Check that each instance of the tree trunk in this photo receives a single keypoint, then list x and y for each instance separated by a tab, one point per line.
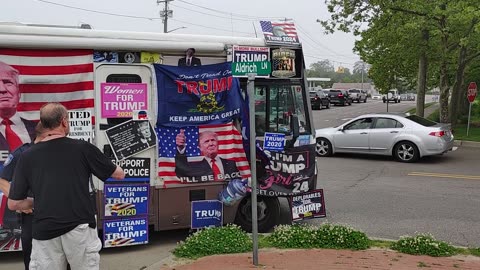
422	75
457	91
444	92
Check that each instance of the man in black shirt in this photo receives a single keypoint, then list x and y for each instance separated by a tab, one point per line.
57	170
26	216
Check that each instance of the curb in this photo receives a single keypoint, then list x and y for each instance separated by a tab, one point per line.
467	144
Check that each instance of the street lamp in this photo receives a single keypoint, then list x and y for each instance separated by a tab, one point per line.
176	29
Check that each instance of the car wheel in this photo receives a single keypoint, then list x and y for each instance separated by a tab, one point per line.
406	152
384	101
268	212
323	148
320	106
328	105
365	100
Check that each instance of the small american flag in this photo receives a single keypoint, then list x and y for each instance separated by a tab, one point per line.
230	146
288	28
64	76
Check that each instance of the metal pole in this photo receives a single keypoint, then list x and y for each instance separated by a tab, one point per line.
165	18
469	114
253	164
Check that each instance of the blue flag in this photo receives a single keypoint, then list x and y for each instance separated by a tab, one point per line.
197	95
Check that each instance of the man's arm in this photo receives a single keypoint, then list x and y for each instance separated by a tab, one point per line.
4	186
119	173
20	205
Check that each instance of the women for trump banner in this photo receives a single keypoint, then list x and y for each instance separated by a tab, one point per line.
197	95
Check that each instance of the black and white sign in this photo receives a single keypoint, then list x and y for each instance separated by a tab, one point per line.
80	125
130	138
136	170
308	205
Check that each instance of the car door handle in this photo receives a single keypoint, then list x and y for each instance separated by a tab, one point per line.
393	131
364	133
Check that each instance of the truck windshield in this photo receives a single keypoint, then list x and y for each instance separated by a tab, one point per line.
274	106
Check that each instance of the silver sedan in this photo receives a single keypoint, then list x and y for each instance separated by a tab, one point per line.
405	137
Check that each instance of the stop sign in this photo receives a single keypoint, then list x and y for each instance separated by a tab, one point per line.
472	92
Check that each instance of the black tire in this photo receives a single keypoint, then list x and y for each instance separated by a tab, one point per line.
320	105
323	147
384	101
406	151
365	100
268	212
328	105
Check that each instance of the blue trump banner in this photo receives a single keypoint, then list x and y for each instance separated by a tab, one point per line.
197	96
125	232
208	213
126	200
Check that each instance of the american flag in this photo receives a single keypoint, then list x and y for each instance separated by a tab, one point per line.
288	28
229	143
64	76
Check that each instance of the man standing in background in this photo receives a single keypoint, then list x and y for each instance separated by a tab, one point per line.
57	170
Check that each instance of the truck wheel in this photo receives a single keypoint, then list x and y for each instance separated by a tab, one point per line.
268	212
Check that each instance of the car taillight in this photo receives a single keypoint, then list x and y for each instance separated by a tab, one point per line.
340	95
437	133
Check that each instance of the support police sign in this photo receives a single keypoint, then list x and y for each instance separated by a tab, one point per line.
251	60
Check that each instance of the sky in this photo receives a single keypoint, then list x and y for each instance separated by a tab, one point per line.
209	17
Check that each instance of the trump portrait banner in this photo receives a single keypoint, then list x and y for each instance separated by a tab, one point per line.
33	78
191	167
201	95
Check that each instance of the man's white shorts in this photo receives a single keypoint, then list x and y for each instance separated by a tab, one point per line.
79	247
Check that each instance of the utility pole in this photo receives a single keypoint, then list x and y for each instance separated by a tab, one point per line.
165	14
363	70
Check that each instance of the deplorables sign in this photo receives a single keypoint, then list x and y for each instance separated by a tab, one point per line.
126	200
289	172
125	232
136	169
120	99
199	95
308	205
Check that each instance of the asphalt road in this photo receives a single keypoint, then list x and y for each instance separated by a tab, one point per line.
387	199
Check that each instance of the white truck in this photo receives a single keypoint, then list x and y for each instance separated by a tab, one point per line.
75	67
392	96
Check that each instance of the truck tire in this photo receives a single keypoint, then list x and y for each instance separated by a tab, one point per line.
268	212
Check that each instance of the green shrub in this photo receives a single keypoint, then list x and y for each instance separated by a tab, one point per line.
424	244
325	236
210	241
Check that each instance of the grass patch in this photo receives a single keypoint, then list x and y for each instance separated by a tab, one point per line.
414	110
460	133
381	243
210	241
474	251
326	236
424	244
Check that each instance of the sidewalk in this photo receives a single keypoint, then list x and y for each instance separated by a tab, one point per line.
329	259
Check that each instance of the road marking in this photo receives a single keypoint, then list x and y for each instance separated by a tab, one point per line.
444	175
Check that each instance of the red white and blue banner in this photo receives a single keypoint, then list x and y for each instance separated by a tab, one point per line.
280	32
197	96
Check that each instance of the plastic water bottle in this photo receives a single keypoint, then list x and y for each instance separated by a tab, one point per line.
235	191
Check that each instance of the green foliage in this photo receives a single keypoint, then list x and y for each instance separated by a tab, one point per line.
474	251
424	244
325	236
219	240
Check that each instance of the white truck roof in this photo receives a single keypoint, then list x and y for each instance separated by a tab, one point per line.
38	37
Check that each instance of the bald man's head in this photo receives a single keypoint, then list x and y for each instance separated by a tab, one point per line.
53	115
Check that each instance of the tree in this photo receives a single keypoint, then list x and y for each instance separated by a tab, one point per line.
440	42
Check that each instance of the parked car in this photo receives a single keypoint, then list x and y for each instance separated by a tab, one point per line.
319	99
340	97
358	95
392	96
377	97
405	137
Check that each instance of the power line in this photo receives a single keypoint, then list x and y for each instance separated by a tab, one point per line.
209	27
99	12
213	15
228	13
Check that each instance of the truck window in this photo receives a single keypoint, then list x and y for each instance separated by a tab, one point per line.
274	106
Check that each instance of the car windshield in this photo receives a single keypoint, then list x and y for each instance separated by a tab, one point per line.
354	91
335	91
420	120
313	93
